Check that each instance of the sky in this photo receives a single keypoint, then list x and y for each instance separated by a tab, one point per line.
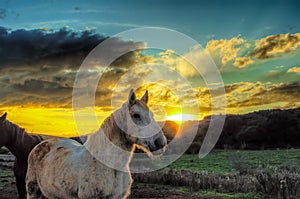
253	44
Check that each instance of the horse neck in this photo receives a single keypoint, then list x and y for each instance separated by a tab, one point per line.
112	131
109	138
11	134
16	143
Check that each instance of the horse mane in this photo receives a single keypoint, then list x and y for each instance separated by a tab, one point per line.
21	142
14	128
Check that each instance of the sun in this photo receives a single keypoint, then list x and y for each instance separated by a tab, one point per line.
180	118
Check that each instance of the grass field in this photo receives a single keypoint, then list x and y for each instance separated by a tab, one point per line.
231	161
186	192
233	174
217	162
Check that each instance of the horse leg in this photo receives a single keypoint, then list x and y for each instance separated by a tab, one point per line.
21	186
32	186
20	173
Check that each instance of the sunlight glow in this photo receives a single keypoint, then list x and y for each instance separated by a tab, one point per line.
49	121
179	118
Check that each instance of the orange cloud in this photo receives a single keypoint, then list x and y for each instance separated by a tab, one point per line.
180	63
241	97
226	50
242	62
294	70
275	45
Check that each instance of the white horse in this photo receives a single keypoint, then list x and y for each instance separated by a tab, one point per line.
62	168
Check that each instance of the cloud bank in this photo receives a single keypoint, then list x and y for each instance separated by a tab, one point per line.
38	67
242	53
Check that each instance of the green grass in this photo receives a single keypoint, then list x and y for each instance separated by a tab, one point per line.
232	161
228	195
6	172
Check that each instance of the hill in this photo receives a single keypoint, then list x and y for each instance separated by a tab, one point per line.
266	129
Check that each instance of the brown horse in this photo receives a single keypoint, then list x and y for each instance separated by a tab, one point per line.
19	143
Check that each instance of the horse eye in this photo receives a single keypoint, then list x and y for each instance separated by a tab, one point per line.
136	116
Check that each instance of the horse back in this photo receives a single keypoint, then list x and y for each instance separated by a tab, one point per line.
55	151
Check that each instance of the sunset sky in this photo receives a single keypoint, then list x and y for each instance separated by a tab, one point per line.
254	44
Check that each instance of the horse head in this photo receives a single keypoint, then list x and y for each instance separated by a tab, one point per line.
142	129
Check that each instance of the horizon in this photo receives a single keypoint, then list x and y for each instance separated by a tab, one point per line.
178	123
44	43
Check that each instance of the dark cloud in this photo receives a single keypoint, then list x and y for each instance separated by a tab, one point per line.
39	67
267	94
25	48
38	48
292	90
36	92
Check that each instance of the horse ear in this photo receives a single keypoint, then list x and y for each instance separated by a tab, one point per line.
131	97
145	97
3	117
